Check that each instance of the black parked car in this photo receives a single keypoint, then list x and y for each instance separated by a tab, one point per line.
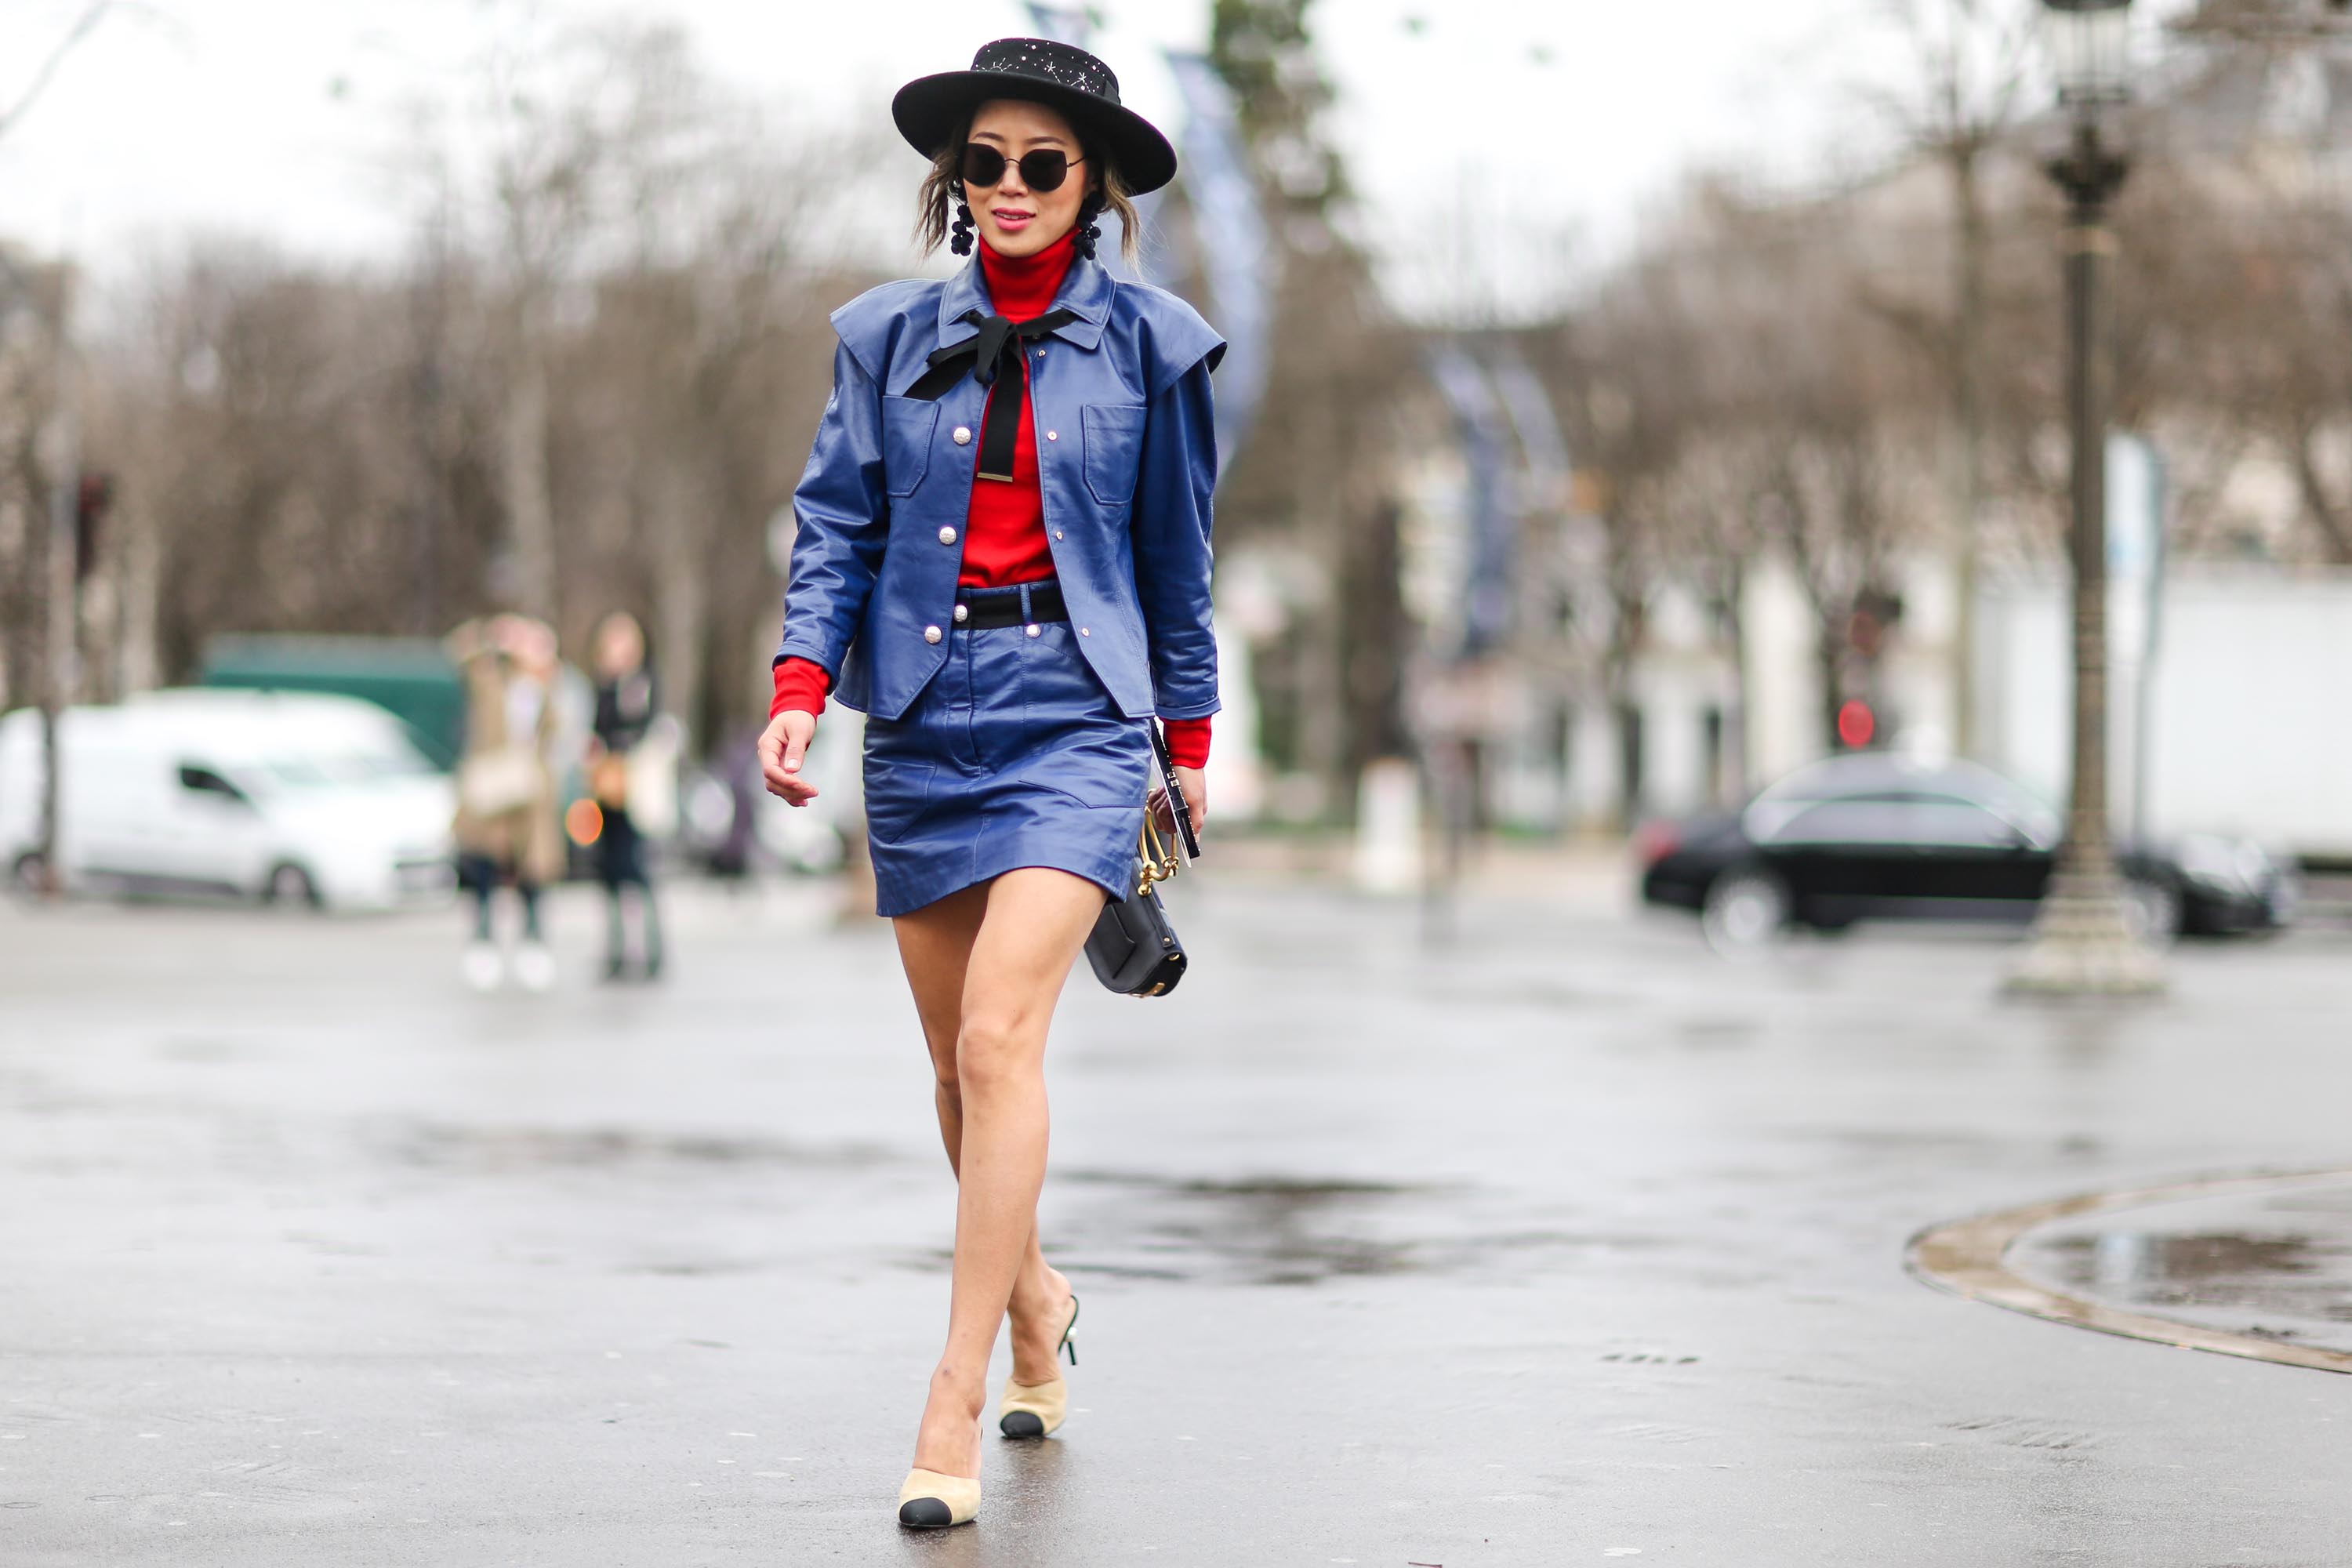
1871	834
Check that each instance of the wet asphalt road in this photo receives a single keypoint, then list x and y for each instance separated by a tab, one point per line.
1564	1244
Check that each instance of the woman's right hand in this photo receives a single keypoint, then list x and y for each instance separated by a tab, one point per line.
783	744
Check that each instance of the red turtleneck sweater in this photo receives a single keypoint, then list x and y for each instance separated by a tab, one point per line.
1004	532
1005	535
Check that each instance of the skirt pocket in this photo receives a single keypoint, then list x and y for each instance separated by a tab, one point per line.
896	794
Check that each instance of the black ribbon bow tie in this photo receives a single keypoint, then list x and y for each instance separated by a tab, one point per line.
998	351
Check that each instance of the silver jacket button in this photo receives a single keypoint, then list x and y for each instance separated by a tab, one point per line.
946	536
1034	630
964	435
930	634
963	614
1052	434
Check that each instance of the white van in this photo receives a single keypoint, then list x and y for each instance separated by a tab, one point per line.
284	796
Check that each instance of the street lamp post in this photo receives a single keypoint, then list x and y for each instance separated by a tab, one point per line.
2082	943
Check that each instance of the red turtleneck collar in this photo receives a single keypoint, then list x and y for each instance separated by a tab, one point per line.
1022	287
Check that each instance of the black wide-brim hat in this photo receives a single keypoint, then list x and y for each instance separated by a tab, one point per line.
930	109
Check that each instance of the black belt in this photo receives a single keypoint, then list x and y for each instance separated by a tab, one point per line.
1002	609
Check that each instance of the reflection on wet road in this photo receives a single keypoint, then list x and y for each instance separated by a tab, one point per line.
2256	1266
2274	1263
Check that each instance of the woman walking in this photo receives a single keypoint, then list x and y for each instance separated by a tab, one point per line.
628	703
507	828
1003	561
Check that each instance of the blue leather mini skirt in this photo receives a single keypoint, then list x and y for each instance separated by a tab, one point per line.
1013	754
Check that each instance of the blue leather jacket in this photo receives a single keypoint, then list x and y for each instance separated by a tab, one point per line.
1126	455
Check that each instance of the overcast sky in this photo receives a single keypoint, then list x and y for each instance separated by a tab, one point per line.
1462	118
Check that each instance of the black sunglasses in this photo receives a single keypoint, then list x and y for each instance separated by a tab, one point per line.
1044	170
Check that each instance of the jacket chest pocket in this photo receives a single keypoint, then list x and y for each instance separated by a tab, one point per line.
908	426
1112	434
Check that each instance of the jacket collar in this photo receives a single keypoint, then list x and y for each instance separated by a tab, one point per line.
1085	292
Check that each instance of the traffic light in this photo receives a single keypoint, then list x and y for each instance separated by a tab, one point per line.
1856	724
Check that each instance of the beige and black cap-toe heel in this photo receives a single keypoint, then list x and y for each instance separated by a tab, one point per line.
931	1501
1036	1409
1032	1409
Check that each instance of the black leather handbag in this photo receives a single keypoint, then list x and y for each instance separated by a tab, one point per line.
1133	949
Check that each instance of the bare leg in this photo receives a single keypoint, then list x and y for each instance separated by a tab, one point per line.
935	945
993	1118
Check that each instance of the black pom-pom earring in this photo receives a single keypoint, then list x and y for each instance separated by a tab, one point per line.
1089	231
959	237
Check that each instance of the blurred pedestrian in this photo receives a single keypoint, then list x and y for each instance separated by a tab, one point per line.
1005	563
507	827
626	700
735	772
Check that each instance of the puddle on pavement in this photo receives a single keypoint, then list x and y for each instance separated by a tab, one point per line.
2275	1265
2296	1275
2257	1265
1286	1231
1519	991
1718	1034
208	1050
1266	1231
525	1149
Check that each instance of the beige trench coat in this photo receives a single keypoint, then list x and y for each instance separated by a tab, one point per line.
528	838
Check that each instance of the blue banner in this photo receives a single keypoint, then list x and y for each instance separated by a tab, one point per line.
1236	262
1486	586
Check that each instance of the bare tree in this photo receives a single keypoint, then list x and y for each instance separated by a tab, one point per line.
1732	391
303	450
46	70
545	105
33	300
1316	481
1966	63
2297	291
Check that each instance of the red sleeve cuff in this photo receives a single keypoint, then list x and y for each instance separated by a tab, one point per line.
1188	741
801	683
